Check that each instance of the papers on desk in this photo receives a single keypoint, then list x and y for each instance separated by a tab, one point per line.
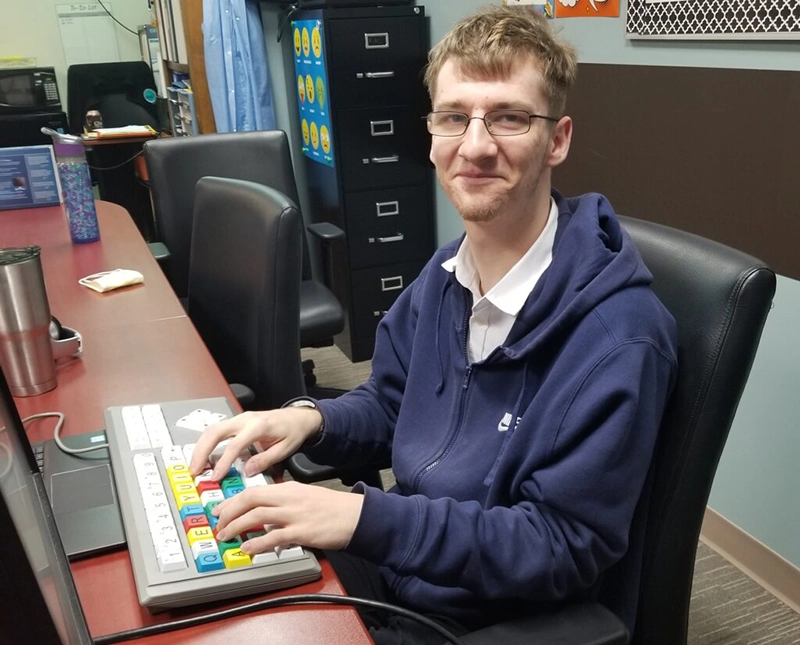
126	131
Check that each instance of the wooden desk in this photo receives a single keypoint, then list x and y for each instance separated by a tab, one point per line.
64	263
139	346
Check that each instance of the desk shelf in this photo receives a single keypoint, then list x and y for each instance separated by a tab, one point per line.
183	116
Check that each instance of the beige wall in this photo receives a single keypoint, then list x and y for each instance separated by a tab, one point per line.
31	28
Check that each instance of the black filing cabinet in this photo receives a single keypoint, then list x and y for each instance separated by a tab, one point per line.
361	100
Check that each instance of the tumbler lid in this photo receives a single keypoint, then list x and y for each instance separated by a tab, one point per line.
65	144
16	254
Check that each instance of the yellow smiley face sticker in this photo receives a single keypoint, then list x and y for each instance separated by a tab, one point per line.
296	41
316	42
325	139
310	88
321	92
314	136
306	135
306	43
301	89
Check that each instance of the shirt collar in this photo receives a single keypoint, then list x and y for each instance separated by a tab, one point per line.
510	294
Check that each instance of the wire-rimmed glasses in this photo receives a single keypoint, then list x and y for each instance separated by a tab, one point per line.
499	123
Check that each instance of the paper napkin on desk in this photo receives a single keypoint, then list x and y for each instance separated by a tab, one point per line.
109	280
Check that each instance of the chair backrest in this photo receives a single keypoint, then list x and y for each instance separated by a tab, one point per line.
174	165
244	285
118	90
720	299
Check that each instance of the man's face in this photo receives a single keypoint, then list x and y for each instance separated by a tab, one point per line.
485	176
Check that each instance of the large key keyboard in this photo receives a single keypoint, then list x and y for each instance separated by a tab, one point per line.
176	558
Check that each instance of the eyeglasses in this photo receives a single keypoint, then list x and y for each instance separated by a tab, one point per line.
499	123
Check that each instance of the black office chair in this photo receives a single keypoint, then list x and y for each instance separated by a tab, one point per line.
175	165
720	298
118	90
244	295
125	94
244	285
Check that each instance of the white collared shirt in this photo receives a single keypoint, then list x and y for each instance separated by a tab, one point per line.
494	313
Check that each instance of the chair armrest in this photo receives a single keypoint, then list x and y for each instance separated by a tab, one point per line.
325	231
244	395
327	234
160	251
302	469
577	624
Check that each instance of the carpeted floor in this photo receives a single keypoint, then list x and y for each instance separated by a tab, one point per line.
727	607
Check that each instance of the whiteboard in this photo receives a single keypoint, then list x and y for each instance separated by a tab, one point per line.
87	33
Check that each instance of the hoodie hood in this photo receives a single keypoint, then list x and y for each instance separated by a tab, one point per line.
593	258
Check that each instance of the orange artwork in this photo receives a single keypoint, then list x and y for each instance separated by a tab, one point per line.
587	8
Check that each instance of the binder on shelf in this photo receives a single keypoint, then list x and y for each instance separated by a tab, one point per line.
170	29
163	30
180	35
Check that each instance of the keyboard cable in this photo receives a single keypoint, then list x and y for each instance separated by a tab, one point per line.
270	603
57	434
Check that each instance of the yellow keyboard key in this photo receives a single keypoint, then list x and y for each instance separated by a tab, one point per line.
236	558
184	499
178	469
184	487
199	533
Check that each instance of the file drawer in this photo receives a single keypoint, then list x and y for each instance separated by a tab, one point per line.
376	60
388	226
375	290
381	146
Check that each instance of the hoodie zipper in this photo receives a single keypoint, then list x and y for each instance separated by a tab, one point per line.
462	407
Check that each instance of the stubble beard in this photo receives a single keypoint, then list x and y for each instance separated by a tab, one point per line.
484	209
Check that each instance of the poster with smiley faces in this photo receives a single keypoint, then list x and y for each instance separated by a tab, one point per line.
312	92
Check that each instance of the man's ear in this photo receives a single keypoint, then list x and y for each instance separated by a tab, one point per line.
560	139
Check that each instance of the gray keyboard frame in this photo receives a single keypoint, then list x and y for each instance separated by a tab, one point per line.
157	590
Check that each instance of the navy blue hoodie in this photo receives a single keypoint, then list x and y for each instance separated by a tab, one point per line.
517	476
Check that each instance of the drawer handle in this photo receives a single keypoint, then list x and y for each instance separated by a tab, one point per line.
385	209
381	128
387	240
376	40
380	313
392	159
388	74
392	284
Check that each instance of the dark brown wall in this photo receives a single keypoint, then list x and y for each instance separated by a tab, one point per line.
712	151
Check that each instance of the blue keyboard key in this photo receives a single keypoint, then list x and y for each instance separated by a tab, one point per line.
209	562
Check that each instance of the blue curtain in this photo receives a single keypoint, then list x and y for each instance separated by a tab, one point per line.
236	66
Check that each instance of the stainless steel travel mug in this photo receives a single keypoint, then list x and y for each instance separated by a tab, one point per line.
26	353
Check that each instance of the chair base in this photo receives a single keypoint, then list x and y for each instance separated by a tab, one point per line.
308	373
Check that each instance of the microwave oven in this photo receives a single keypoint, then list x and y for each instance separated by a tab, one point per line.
28	90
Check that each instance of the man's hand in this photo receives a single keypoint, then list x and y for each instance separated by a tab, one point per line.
297	513
280	434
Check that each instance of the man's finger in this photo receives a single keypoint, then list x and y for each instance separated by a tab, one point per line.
209	439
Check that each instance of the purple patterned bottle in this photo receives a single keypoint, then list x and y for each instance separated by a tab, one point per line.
76	187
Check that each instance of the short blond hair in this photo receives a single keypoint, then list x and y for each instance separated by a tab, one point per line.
487	43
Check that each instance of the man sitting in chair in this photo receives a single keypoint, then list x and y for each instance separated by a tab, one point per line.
518	383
